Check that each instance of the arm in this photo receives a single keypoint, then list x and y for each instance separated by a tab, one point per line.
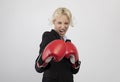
72	55
55	51
40	65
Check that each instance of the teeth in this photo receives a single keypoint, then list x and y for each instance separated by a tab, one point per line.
61	30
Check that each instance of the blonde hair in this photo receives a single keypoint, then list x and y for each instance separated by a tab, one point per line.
63	11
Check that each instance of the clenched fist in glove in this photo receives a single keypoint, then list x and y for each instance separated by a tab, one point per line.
55	50
72	54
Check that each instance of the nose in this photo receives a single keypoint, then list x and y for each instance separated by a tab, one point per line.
63	26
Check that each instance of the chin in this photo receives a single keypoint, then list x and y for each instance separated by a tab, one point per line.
62	35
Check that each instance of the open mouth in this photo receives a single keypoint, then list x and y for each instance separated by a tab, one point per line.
61	31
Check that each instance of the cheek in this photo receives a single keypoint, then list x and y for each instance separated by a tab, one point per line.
67	26
56	26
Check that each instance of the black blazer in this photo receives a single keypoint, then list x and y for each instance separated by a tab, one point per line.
61	71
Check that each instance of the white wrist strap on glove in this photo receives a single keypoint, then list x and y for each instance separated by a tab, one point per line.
72	59
45	63
48	59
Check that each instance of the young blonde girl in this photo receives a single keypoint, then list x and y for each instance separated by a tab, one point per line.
64	68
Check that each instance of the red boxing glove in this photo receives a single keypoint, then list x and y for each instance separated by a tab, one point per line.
71	53
55	49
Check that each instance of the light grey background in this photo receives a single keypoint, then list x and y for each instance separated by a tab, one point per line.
96	34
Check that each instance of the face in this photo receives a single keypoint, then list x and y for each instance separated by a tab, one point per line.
61	25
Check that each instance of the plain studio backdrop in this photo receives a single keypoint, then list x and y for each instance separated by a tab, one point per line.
96	34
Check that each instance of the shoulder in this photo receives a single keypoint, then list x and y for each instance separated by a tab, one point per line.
51	34
46	34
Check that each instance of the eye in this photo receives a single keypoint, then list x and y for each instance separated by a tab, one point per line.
66	23
59	22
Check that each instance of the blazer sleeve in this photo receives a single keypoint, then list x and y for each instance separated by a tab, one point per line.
46	38
76	69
